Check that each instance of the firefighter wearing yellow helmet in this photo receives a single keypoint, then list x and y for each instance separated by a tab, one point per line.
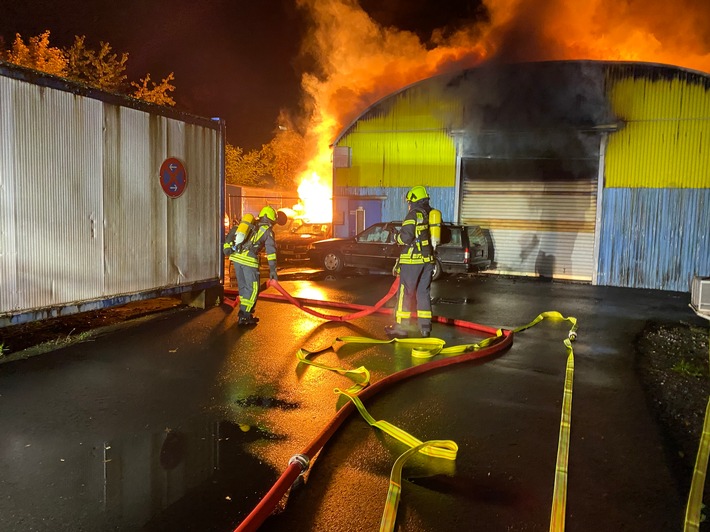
246	262
416	266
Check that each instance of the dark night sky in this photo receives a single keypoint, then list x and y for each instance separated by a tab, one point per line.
235	59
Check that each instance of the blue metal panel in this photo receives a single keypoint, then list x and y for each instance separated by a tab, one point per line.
372	213
394	207
654	238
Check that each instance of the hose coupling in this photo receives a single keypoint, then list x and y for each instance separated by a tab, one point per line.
572	336
302	460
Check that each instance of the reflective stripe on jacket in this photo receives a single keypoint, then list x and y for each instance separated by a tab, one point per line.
416	238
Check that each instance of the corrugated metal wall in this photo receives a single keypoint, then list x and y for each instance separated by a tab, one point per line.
541	220
83	213
394	207
656	119
654	237
655	222
664	143
401	144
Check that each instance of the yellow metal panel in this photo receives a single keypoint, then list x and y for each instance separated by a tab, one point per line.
399	159
665	143
408	144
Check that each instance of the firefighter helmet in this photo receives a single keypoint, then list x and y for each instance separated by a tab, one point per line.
417	193
268	212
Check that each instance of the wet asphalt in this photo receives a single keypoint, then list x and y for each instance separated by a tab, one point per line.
183	421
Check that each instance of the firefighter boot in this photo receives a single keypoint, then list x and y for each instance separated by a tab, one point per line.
247	318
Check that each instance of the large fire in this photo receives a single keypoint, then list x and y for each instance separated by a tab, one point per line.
361	61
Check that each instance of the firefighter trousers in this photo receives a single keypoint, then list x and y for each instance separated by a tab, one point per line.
415	289
248	283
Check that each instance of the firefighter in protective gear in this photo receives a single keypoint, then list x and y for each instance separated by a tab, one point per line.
416	266
246	263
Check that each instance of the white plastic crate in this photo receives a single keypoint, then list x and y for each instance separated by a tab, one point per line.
700	293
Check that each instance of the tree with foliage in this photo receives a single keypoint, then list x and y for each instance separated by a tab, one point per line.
248	169
98	68
38	55
158	94
285	157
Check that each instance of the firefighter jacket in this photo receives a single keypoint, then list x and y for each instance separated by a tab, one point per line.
415	236
262	237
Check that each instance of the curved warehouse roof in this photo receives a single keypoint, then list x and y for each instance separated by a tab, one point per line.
519	96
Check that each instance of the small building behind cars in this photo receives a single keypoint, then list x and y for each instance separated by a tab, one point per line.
592	171
240	200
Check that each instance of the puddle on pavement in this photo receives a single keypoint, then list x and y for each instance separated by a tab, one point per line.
214	484
197	476
226	482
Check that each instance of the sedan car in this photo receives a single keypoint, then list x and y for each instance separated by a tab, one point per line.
294	238
463	249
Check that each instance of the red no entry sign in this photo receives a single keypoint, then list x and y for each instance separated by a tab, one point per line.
173	177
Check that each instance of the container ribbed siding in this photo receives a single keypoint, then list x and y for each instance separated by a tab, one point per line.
562	163
85	222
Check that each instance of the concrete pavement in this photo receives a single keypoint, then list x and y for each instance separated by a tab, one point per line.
183	422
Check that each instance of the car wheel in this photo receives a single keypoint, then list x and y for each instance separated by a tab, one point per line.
437	273
333	261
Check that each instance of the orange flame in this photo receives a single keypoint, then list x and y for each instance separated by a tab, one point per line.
361	62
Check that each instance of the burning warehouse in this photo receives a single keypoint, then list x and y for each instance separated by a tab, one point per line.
593	171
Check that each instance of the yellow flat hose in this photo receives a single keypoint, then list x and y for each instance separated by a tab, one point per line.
360	376
559	491
424	348
389	515
445	449
428	348
694	508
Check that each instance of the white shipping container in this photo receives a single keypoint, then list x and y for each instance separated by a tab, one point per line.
103	199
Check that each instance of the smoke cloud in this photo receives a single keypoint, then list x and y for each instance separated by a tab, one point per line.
357	61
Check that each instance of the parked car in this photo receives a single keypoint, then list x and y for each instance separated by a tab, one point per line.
463	249
294	238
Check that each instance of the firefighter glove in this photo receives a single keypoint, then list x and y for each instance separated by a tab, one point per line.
273	275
